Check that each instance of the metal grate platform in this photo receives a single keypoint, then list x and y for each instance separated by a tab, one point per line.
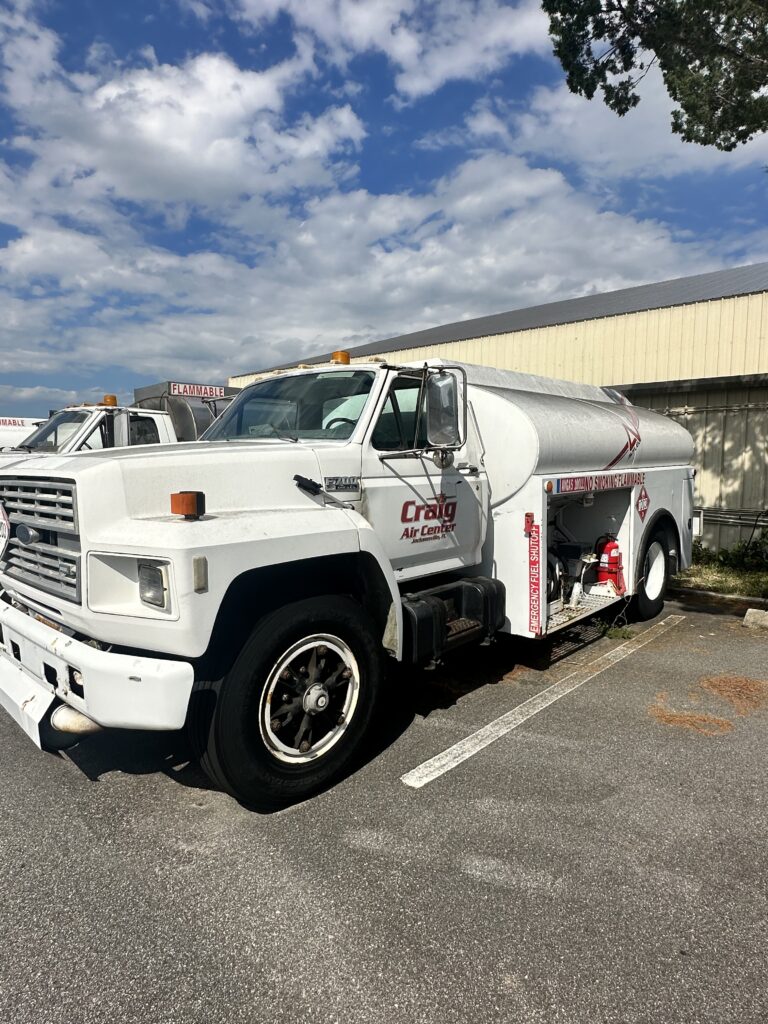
588	605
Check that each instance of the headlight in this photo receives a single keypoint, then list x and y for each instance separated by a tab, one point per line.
152	588
138	585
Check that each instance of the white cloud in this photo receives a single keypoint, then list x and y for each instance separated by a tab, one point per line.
203	132
585	135
44	398
493	235
561	126
428	44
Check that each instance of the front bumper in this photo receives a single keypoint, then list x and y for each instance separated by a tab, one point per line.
38	664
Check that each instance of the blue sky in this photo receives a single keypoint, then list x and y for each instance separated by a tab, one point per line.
195	188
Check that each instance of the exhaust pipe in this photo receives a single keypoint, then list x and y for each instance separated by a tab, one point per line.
75	723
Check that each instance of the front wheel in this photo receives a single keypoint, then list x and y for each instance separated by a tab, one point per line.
294	710
653	567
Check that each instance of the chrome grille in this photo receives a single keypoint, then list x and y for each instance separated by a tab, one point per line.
50	558
44	504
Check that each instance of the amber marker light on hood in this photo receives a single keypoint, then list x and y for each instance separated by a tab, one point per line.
190	504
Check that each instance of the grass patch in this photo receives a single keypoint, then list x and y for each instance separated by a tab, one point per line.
724	579
619	633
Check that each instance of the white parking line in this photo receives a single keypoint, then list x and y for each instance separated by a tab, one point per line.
466	748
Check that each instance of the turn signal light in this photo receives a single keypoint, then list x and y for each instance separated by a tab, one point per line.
190	504
109	400
340	357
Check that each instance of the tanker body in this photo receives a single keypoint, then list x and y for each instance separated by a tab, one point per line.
604	492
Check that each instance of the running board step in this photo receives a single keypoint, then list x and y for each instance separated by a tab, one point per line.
444	617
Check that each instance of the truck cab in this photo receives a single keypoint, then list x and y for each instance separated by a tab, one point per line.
86	428
162	413
253	584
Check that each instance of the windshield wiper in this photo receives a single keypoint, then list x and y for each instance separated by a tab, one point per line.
284	437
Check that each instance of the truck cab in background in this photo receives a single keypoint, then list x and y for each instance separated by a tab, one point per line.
161	414
253	584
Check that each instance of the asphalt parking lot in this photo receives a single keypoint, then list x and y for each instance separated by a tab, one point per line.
604	860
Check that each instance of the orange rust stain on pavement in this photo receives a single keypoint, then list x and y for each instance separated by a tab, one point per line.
707	725
743	694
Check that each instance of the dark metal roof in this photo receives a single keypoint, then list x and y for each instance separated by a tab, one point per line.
681	291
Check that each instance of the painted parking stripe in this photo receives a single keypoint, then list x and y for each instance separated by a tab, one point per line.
466	748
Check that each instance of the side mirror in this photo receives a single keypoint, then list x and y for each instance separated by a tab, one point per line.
443	428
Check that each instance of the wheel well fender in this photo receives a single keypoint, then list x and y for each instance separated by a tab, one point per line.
665	521
256	592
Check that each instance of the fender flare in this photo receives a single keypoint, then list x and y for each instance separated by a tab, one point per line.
663	515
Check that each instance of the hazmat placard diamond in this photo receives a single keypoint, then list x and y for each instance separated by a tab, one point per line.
643	503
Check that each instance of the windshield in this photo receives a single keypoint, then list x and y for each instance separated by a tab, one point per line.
56	431
310	406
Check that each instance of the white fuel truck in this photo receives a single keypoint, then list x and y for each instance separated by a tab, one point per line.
161	414
253	584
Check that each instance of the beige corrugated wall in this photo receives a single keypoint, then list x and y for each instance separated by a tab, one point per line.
730	432
722	337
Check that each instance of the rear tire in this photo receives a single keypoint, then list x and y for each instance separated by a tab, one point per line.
654	569
294	710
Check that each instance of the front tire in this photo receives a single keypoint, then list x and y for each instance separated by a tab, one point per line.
654	569
293	712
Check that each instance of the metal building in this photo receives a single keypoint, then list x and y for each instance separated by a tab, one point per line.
695	348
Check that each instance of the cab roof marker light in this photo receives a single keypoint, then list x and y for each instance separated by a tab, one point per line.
190	504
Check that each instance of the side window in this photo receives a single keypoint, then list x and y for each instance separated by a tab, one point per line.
142	430
96	439
395	429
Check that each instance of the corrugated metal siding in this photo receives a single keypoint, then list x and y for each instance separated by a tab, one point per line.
730	431
683	291
728	337
724	337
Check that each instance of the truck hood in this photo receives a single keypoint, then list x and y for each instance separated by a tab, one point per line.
8	459
137	483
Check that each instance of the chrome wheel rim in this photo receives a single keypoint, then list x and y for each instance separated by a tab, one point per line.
654	571
309	699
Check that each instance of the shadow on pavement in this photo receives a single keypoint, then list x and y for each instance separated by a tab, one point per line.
139	753
412	692
713	604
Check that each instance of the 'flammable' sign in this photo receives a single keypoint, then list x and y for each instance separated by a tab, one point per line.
598	482
196	390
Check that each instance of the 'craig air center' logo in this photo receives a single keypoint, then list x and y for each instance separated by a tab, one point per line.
435	518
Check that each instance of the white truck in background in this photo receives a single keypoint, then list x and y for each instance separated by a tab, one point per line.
253	584
161	414
15	428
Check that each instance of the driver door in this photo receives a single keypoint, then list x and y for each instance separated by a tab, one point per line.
428	519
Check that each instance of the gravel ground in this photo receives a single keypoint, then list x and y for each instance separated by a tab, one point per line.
606	861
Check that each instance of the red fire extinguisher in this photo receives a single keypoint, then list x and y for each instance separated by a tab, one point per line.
610	568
